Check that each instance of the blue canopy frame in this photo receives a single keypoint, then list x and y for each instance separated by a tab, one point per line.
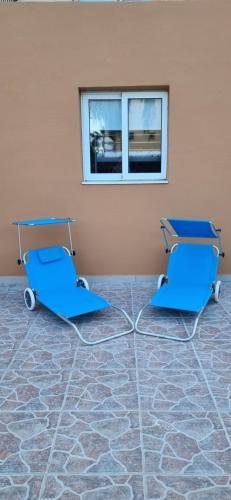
52	277
43	222
192	270
189	228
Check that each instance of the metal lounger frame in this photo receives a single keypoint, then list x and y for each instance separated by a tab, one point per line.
166	232
168	337
100	341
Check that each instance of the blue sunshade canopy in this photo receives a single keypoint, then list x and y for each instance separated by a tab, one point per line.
187	228
43	222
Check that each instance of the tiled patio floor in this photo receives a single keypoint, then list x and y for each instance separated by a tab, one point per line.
134	418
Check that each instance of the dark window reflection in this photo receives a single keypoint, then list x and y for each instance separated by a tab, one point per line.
144	135
106	156
105	136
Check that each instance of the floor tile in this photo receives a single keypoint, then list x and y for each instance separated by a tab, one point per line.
13	330
7	353
156	354
118	294
15	319
226	296
102	390
112	355
50	328
188	443
213	312
174	390
91	487
141	294
24	390
97	442
44	354
190	488
180	392
25	441
213	353
214	323
23	487
226	420
220	385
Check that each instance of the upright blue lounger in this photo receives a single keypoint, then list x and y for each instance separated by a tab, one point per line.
55	284
192	271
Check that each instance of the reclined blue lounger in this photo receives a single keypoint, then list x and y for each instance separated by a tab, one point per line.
55	284
192	271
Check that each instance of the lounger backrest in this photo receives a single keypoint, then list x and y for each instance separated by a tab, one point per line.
193	264
50	268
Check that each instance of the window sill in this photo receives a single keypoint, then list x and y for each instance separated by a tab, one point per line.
161	181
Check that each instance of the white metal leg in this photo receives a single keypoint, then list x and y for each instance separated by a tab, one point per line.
169	337
88	342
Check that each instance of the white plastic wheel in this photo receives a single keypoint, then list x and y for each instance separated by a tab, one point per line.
217	290
161	280
83	283
29	299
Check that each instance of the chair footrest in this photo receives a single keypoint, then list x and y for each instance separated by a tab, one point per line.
72	302
191	299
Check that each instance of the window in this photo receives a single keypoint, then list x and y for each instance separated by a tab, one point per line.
124	136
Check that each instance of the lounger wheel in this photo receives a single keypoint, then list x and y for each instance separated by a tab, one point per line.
217	290
161	280
83	283
29	298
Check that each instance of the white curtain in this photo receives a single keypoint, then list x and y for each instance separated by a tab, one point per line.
144	114
105	115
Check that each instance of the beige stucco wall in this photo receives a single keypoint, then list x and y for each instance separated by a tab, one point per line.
47	53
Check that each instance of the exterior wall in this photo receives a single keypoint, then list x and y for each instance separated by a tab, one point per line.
49	52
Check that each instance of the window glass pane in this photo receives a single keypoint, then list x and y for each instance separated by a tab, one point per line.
144	126
105	136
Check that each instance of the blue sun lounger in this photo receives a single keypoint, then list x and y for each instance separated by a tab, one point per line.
192	271
55	284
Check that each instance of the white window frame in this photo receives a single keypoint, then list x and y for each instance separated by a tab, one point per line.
125	177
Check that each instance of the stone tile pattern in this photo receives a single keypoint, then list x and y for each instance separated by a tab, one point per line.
134	418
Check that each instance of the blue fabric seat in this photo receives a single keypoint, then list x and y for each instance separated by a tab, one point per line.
72	302
192	268
191	275
184	298
51	273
